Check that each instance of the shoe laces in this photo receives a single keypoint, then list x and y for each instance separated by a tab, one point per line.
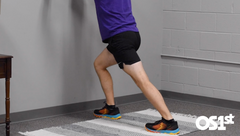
158	122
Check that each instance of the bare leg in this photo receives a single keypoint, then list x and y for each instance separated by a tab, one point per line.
138	74
102	62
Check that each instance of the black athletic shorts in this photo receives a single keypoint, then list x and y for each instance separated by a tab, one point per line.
124	47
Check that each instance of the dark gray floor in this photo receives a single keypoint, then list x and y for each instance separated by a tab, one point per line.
174	106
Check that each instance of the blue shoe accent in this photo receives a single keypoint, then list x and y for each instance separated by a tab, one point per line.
176	131
117	116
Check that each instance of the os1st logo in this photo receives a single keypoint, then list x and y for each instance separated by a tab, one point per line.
214	122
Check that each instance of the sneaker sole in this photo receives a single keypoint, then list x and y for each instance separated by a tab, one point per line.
170	132
115	117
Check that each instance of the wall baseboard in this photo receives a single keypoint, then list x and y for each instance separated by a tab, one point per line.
83	106
201	99
70	108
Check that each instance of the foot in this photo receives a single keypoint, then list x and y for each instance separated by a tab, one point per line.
107	111
163	126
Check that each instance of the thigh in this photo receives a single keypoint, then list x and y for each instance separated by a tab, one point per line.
105	59
136	71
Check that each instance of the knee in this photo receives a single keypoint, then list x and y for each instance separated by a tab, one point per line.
97	65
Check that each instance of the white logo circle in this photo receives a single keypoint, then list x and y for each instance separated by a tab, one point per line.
199	126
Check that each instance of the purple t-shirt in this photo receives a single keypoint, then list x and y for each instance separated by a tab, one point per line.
114	17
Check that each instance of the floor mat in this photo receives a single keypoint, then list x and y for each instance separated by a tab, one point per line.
131	124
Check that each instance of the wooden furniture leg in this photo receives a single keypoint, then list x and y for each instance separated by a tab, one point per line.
6	72
7	102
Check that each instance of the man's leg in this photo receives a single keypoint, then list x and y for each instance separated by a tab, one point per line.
138	74
102	62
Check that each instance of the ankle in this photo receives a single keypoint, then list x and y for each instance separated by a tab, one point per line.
110	106
110	103
168	120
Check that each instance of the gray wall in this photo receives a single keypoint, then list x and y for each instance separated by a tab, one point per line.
201	48
54	44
